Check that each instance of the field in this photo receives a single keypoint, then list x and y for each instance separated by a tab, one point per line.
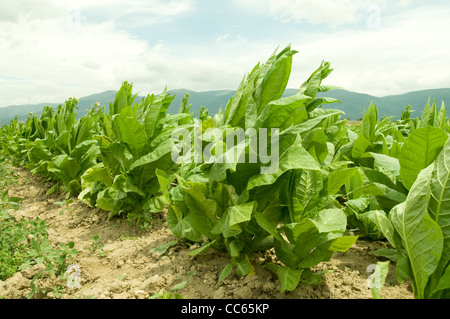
129	270
273	197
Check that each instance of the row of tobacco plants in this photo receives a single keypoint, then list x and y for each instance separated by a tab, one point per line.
383	179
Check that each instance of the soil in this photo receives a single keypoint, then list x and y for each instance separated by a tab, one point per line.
131	271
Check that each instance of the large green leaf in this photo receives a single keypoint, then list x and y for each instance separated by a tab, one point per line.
130	131
151	157
276	79
369	122
289	278
240	213
237	106
338	178
420	150
202	210
313	85
303	194
385	225
386	164
420	235
123	99
156	111
360	146
429	115
98	174
283	112
182	225
439	204
444	282
295	157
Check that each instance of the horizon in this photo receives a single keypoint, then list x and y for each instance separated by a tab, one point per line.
375	47
184	89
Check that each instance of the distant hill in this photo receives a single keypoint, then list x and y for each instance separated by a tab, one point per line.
352	103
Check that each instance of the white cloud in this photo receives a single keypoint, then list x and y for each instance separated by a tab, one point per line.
47	57
52	55
408	52
140	12
30	9
50	59
136	12
222	37
334	13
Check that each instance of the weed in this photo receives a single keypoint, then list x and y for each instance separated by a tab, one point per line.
172	293
96	246
164	248
15	239
55	264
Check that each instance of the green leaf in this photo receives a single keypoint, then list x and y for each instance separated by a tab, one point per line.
330	220
439	207
313	85
368	124
386	227
243	267
295	157
162	149
130	131
269	227
304	198
289	278
441	117
386	164
225	272
303	236
163	180
360	146
439	204
201	249
164	247
202	210
276	79
420	235
312	123
444	282
387	253
155	112
342	244
182	225
420	150
240	213
121	99
283	112
98	174
429	115
338	178
315	142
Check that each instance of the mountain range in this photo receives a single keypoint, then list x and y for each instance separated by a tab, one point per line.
352	103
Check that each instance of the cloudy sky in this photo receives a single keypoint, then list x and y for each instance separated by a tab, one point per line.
51	50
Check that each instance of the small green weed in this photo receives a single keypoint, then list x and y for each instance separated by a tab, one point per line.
15	239
96	246
55	262
172	293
